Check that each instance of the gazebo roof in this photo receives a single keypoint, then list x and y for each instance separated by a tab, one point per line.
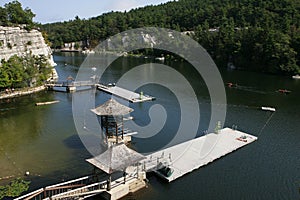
112	107
116	158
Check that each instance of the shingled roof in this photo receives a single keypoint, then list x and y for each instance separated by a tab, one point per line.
116	158
112	107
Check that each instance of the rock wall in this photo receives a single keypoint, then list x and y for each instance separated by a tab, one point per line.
18	41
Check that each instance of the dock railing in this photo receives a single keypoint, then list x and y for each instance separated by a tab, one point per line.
52	190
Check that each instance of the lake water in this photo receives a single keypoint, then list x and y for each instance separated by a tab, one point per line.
43	140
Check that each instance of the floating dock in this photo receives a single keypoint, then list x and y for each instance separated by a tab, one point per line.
128	95
188	156
46	103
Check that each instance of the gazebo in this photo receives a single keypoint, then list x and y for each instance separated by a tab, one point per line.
111	117
116	158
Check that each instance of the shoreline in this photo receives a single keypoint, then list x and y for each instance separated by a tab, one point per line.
21	92
28	90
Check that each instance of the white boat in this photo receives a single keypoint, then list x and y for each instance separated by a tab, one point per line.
268	109
296	76
160	58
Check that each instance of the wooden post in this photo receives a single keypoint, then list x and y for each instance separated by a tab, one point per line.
109	183
124	174
116	132
45	194
106	126
122	128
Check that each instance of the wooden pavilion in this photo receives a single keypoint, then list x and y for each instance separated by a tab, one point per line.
111	117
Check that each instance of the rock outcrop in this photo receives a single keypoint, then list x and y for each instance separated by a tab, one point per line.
18	41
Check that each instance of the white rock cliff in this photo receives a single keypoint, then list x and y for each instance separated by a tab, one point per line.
18	41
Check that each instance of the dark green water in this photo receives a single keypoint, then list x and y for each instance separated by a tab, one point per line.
43	140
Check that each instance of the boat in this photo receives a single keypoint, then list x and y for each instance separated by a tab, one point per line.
46	103
268	108
166	171
231	85
284	91
160	58
296	76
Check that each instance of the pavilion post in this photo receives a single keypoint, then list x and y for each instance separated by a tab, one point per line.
122	129
116	132
124	175
109	183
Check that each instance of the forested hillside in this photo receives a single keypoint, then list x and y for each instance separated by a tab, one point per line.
259	35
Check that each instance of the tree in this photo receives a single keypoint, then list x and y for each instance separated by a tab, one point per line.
256	34
14	189
3	17
20	72
13	13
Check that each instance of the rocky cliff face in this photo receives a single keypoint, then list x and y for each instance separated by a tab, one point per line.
18	41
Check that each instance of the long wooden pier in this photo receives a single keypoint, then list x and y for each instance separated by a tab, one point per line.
69	85
128	95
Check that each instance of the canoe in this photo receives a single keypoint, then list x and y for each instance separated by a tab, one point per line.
46	103
268	109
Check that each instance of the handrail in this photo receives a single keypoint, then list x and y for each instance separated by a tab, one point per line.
78	189
38	191
67	182
30	194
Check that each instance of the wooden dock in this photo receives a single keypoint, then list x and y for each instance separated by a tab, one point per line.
46	103
128	95
83	188
188	156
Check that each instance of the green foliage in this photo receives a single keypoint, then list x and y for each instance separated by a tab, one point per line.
45	36
76	45
253	34
18	72
14	189
14	14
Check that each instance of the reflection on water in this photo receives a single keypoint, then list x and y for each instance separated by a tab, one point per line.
43	140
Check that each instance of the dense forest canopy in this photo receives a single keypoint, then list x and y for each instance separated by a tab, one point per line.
259	35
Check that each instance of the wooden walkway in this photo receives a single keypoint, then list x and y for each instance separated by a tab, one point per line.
84	188
77	187
128	95
70	84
